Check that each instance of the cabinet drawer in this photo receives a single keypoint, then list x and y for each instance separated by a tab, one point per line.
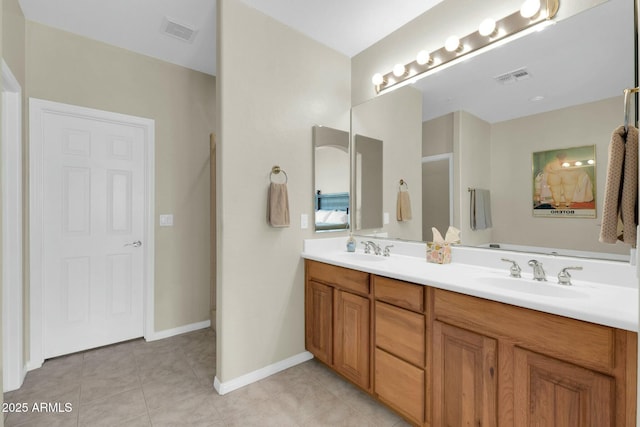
402	294
353	280
401	385
400	332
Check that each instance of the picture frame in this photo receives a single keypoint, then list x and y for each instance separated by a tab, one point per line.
564	183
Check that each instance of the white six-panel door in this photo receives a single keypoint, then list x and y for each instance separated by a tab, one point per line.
93	231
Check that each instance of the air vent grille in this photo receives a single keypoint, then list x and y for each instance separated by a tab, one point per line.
513	76
178	30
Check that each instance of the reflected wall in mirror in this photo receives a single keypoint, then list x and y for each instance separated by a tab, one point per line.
331	178
567	96
368	183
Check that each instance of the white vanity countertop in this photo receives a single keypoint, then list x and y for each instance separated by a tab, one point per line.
604	292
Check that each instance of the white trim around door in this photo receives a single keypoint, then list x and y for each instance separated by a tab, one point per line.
37	110
12	280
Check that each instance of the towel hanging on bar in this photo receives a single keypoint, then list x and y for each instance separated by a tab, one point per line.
403	204
619	217
480	209
278	201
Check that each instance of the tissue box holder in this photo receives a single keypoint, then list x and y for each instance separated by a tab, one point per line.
438	253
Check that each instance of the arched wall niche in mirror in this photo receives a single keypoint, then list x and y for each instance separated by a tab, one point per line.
331	178
555	89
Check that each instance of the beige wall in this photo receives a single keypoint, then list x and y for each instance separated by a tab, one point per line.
13	29
396	119
70	69
429	31
274	84
513	143
437	136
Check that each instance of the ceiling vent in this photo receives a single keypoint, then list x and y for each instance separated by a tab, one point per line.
513	76
178	30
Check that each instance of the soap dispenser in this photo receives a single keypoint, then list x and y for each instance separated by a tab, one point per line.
351	243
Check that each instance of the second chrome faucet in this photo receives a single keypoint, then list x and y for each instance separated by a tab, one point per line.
538	271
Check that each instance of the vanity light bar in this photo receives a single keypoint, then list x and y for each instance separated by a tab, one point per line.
504	30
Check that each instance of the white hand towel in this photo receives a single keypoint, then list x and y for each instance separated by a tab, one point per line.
278	205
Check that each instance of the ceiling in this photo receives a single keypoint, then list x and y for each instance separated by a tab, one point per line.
138	28
568	63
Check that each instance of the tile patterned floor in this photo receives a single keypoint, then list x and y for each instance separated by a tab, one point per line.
169	383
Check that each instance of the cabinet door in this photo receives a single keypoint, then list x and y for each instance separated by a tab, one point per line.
352	338
319	321
549	392
464	377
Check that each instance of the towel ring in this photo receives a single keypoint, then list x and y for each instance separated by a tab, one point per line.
403	185
275	171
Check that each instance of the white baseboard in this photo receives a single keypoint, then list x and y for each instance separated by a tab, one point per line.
252	377
167	333
30	366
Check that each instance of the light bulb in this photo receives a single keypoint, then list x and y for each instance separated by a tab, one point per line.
566	164
423	57
377	79
398	70
578	163
530	8
452	44
591	161
487	27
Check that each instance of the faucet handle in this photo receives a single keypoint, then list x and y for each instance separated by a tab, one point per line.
387	250
514	269
367	247
564	278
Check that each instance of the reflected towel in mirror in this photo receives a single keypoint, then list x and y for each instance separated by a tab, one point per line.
278	205
480	215
403	206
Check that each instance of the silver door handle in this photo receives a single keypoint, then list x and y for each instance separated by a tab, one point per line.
135	244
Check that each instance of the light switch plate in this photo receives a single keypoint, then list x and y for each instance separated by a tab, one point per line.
166	220
304	221
386	218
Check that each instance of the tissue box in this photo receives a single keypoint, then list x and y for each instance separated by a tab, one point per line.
438	253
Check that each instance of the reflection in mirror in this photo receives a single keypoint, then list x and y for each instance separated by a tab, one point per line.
331	178
437	193
368	183
565	97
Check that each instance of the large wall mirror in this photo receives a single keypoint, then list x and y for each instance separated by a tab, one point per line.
565	90
331	178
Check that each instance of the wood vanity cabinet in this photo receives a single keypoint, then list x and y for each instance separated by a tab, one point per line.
440	358
337	320
512	366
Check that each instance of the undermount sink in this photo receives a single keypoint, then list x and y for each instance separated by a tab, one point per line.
528	286
359	256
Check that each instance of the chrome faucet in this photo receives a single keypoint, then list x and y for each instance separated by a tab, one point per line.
375	247
538	271
515	269
564	278
387	250
367	247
